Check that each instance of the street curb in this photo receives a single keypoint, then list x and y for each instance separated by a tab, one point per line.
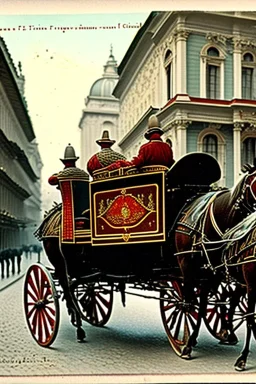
12	282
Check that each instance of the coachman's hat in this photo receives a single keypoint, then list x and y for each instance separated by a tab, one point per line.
153	127
105	139
69	154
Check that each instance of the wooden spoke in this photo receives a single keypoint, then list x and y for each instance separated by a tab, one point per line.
95	302
41	305
225	306
179	318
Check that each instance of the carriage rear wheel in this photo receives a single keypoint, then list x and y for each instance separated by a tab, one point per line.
179	318
225	307
41	305
95	302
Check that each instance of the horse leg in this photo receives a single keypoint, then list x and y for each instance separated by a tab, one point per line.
241	361
192	341
58	261
226	334
249	276
186	264
234	301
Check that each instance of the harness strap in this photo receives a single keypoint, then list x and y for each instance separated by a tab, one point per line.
209	210
213	221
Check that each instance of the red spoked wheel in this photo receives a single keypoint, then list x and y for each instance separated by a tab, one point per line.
240	311
41	305
179	318
217	309
219	312
95	302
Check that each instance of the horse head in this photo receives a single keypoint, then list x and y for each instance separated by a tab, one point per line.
246	191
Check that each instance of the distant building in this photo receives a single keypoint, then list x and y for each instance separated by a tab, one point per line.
197	72
101	112
20	162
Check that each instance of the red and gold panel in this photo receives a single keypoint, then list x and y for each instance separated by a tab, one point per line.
128	209
75	200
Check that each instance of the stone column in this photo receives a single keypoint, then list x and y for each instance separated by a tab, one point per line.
237	150
237	61
181	61
181	138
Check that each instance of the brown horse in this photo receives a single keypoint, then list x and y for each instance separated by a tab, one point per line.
204	221
239	257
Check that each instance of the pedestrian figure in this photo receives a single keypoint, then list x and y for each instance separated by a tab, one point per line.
2	262
7	262
12	259
19	255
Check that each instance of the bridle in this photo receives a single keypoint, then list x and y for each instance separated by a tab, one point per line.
243	202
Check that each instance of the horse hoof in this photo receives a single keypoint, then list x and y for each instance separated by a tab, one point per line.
240	365
186	353
227	338
232	339
80	334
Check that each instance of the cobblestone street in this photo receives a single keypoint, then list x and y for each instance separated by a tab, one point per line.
133	345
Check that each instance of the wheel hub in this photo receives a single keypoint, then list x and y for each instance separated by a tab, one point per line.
40	304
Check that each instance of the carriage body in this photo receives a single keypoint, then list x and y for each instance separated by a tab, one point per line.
121	222
117	231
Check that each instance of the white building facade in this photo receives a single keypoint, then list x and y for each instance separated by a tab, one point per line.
197	72
101	112
20	161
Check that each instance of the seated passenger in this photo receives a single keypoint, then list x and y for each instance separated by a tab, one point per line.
106	156
155	152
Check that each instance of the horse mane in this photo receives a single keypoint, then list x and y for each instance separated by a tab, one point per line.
236	190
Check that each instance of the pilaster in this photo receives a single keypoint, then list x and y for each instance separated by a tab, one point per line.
181	61
237	61
237	150
180	144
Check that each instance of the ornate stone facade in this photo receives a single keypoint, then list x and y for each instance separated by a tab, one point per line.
20	162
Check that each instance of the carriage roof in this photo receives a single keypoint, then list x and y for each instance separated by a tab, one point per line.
196	168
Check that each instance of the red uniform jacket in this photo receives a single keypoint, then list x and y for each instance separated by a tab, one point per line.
155	152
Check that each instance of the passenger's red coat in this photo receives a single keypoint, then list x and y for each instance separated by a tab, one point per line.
155	152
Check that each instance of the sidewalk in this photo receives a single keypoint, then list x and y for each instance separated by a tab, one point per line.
25	263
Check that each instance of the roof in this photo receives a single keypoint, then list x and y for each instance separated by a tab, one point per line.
8	77
104	86
17	153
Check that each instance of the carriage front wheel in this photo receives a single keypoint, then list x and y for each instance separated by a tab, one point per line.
95	301
41	305
179	318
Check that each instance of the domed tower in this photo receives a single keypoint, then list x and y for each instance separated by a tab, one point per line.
101	111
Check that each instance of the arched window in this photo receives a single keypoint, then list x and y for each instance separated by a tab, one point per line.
248	73
210	145
212	51
212	75
249	150
168	71
211	141
212	72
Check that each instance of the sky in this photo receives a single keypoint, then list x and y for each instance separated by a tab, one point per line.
60	66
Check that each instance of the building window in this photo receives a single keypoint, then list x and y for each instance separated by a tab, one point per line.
212	73
248	73
168	71
211	141
249	150
210	145
213	82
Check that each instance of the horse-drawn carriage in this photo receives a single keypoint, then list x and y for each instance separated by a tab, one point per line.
127	231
